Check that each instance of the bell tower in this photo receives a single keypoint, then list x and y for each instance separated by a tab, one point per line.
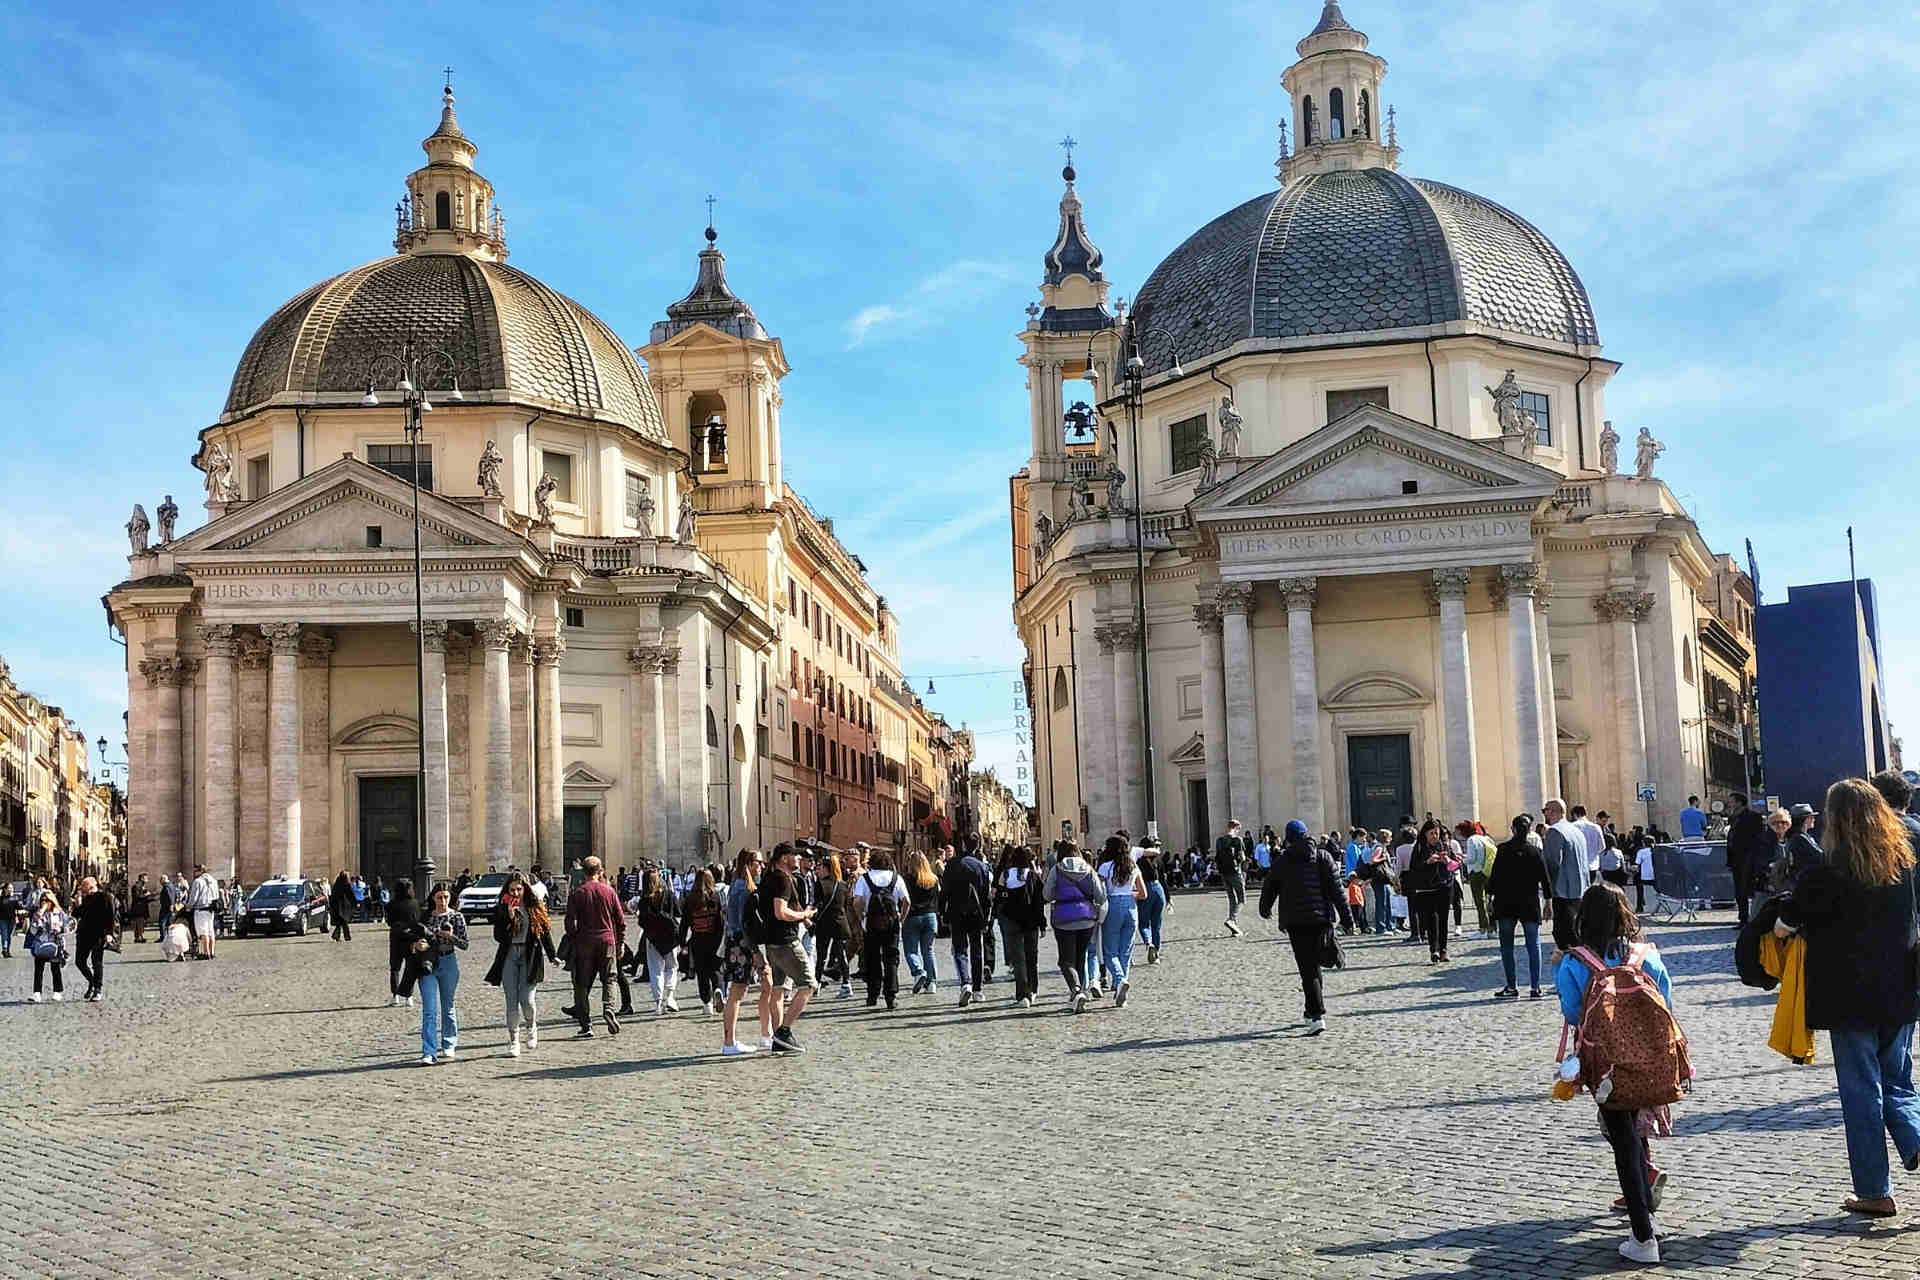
1071	337
1338	120
449	207
717	372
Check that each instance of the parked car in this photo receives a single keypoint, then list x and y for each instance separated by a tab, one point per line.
479	898
284	906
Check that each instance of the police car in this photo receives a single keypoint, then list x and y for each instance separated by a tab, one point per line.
284	906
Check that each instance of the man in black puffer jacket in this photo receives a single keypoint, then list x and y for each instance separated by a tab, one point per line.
1302	879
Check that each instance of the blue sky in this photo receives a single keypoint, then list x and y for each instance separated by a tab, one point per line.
1733	182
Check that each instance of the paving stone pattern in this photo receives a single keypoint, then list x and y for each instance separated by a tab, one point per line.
263	1115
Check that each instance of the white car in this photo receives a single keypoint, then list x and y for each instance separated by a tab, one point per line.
478	899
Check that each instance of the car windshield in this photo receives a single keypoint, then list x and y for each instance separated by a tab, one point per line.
277	893
491	880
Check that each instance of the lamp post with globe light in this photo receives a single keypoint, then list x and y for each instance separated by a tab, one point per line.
411	386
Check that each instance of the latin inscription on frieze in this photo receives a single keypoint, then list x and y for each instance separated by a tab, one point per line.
352	590
1386	537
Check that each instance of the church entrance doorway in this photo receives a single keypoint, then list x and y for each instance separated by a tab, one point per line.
577	832
1380	773
389	829
1199	821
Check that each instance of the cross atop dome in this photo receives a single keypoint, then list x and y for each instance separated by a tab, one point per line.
1336	102
449	207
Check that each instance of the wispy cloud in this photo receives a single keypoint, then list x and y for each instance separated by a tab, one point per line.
954	287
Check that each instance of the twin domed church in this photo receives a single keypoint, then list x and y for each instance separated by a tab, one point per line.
1341	488
635	638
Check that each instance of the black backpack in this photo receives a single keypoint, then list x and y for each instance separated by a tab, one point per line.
967	905
883	910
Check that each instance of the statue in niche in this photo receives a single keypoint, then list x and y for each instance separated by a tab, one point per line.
1082	505
1043	529
689	518
218	464
1209	463
543	497
1229	428
1309	125
490	463
1609	449
1645	450
137	530
1514	421
645	507
1365	126
1116	487
168	513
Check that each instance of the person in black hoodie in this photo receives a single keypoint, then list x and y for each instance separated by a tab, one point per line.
1302	880
403	919
95	921
1020	905
1515	887
1749	851
340	904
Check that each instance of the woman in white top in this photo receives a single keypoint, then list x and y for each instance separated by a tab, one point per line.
1125	887
880	922
1643	868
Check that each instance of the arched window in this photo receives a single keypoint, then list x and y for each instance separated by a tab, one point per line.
1686	660
1059	690
713	730
707	430
1309	122
442	211
739	745
1336	115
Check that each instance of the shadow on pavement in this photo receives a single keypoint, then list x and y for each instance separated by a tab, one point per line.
594	1070
1237	1037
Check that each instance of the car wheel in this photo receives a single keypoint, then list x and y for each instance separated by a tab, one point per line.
301	927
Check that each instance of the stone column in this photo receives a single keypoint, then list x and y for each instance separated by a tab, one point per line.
1456	695
1099	790
520	667
252	733
217	764
1524	654
1617	607
316	747
166	762
547	652
1243	710
1128	767
496	636
1549	709
283	748
1309	791
651	662
1213	718
438	784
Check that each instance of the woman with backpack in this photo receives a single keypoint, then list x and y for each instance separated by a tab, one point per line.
703	930
922	924
830	926
1125	888
1515	887
1022	913
1079	902
742	961
1608	935
1855	907
880	902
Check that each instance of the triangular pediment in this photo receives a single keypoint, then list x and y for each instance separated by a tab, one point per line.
1372	457
332	509
1192	751
582	774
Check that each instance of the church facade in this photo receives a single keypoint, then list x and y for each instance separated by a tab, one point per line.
606	586
1390	564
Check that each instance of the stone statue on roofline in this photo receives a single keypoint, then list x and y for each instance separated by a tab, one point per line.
1116	489
218	464
490	463
137	530
543	497
1609	448
1209	463
1645	450
1229	428
1514	421
168	514
689	518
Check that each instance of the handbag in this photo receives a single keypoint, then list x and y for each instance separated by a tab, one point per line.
1331	957
565	954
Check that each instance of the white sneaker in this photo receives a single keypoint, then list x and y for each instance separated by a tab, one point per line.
447	1053
58	997
846	991
533	1037
659	1007
1080	1002
426	1059
394	1003
409	1002
1642	1251
513	1047
1233	928
671	1006
736	1050
34	998
966	997
1317	1026
766	1042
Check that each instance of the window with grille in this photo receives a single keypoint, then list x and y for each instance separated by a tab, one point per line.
1188	435
1343	402
397	460
1540	409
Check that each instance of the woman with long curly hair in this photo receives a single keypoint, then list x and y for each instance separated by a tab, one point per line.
1856	911
922	922
525	934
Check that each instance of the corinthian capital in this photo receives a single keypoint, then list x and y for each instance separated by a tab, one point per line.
283	637
1616	604
1451	584
1237	598
1520	579
218	638
494	633
1299	593
548	650
1642	606
433	636
1207	615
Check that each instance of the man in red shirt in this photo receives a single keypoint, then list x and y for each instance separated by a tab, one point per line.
598	928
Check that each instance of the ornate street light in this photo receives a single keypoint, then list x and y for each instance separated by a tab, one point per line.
411	386
1132	378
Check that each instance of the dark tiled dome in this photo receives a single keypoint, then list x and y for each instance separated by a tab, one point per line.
507	333
1358	252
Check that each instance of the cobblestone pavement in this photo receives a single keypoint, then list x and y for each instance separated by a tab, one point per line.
264	1115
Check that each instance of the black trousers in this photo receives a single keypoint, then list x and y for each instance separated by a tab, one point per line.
1639	895
90	958
705	953
40	965
880	957
1431	909
396	965
1024	961
1742	889
600	964
1306	954
829	958
1073	945
1630	1163
1566	932
341	931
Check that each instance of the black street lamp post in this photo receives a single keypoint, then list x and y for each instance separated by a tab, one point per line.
412	388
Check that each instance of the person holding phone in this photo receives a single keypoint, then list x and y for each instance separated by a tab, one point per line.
443	937
525	934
